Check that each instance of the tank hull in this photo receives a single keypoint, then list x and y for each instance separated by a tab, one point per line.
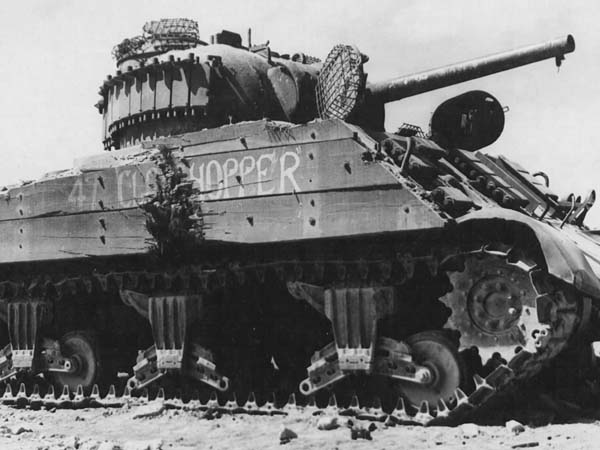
231	255
255	183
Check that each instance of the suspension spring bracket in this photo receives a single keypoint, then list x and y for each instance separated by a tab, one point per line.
323	371
52	359
200	366
392	359
146	370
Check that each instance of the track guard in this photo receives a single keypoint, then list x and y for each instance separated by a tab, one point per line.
28	350
354	313
170	318
563	258
24	322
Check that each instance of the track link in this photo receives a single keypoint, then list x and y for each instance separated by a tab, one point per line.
401	414
459	408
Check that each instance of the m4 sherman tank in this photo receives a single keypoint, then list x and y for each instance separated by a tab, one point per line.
253	228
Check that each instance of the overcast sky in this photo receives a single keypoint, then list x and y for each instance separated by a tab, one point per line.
55	54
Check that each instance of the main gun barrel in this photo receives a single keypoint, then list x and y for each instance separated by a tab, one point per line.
409	85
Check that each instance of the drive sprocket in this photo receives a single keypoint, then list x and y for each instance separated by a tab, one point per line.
503	302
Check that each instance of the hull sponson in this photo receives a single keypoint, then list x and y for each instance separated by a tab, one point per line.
256	182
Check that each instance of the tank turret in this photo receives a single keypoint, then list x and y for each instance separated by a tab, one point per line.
169	82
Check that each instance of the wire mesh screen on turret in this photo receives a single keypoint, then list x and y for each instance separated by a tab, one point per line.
160	36
166	32
340	82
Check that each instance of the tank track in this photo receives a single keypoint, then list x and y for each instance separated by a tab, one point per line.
460	408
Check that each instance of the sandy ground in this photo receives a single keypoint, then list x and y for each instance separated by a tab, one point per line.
112	429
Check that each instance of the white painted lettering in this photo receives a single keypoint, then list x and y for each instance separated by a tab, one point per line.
247	165
93	179
262	172
214	183
230	168
288	172
121	200
134	187
197	178
76	196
